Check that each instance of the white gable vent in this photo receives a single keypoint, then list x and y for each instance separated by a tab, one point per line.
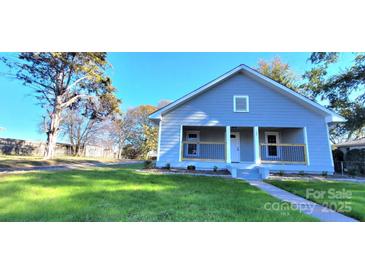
240	103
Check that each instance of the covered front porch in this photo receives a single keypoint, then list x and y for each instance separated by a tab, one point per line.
245	145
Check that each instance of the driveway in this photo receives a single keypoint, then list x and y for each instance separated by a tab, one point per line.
67	166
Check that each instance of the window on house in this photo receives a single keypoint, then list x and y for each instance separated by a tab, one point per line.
272	138
192	149
240	103
193	138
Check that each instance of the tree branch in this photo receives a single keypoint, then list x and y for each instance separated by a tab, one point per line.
74	99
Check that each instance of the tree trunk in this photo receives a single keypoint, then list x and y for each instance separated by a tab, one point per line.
78	150
52	133
120	151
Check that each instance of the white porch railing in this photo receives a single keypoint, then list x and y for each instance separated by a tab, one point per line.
283	153
269	153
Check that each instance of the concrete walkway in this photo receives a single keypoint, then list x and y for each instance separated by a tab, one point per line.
344	179
66	166
324	214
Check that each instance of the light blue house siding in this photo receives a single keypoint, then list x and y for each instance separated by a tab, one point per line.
268	108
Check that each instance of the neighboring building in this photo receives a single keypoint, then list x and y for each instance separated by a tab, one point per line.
247	123
98	151
10	146
349	145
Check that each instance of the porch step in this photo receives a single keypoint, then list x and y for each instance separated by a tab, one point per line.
249	174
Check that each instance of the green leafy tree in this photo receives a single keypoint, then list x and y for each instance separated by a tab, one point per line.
60	80
344	91
282	73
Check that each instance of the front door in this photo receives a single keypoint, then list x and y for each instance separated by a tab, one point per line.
235	147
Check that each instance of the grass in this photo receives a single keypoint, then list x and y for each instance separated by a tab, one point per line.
123	194
12	161
344	197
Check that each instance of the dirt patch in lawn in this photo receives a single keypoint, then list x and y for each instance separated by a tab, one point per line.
185	171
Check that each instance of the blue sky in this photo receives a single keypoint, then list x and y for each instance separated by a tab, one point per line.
141	78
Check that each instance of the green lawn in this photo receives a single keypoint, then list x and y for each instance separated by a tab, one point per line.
123	194
344	197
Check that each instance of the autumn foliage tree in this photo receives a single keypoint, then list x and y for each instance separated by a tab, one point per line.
150	134
60	80
134	131
278	71
142	137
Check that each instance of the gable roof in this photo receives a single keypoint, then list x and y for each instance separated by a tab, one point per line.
330	115
352	143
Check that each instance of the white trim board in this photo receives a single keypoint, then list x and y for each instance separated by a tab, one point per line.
330	115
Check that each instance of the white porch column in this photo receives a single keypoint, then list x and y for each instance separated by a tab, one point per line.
256	145
306	146
228	144
159	139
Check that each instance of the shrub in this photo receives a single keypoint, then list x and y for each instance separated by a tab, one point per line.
148	164
355	155
191	167
168	166
355	161
324	173
215	168
281	173
301	173
353	171
129	152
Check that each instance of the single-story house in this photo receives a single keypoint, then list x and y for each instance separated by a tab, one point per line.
247	123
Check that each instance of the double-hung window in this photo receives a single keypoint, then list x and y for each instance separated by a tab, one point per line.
193	138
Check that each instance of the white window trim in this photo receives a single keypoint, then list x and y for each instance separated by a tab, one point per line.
247	100
277	134
197	132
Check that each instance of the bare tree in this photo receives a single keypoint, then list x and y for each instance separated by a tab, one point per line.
87	122
163	103
121	131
